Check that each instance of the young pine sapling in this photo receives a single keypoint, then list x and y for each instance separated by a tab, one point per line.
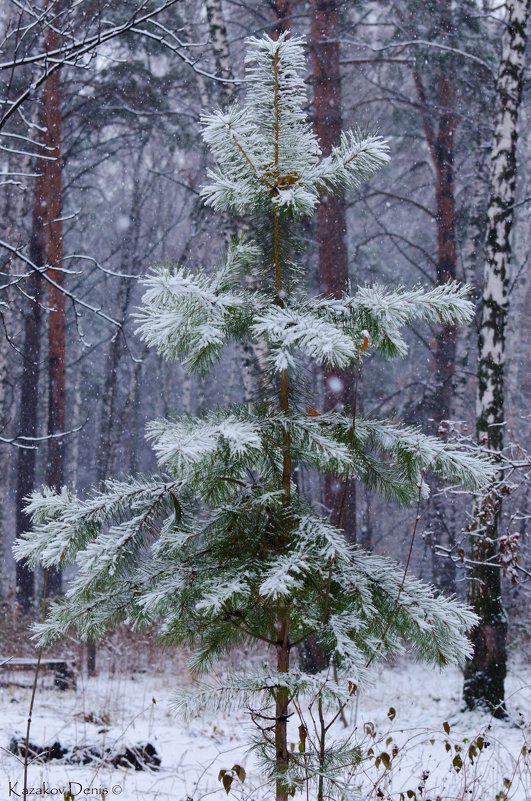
221	548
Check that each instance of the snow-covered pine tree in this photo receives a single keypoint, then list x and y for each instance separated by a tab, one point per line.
220	548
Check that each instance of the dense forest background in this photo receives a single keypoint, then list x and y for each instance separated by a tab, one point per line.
101	166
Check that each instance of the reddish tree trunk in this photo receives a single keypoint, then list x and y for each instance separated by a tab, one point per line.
444	340
442	149
56	298
282	16
39	252
331	223
281	706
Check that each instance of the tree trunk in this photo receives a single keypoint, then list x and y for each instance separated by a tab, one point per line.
220	47
282	16
129	258
29	395
107	441
445	338
251	355
485	673
56	299
77	384
46	248
129	415
106	452
441	145
15	213
331	227
281	706
473	274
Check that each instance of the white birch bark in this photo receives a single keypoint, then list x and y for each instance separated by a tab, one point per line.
491	343
485	672
220	47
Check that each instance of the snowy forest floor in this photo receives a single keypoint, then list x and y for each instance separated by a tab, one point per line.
122	708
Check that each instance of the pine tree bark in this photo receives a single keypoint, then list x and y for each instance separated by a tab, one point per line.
331	226
485	672
45	250
441	144
56	298
281	705
282	16
282	626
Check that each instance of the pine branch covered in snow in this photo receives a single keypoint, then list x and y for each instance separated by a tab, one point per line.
384	313
191	317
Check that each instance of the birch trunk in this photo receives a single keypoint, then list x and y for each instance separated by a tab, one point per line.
473	269
220	47
485	673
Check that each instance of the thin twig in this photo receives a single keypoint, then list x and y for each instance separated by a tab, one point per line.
34	688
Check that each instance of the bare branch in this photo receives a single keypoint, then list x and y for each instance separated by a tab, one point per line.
18	253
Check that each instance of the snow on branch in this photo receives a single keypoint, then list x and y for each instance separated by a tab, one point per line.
416	452
188	446
191	316
384	313
435	626
316	443
64	524
240	691
354	160
288	329
267	151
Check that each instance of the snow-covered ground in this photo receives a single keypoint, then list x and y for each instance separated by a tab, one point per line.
115	710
